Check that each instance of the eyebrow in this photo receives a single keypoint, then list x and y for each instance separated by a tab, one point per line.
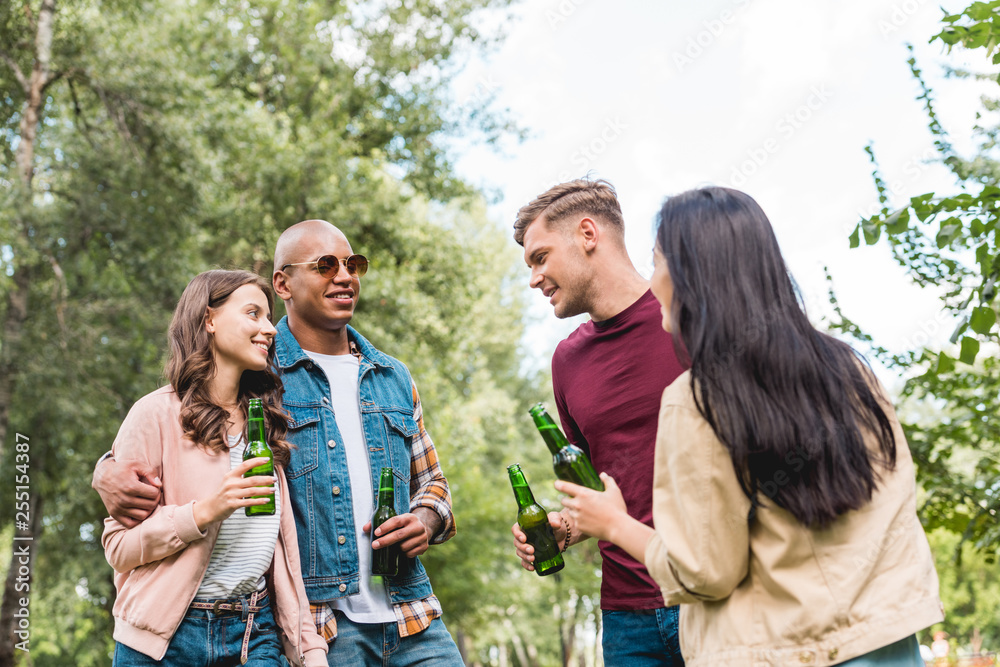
533	257
257	306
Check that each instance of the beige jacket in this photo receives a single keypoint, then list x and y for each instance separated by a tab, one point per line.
774	592
159	564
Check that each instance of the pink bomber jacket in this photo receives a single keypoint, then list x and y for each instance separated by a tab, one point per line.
159	564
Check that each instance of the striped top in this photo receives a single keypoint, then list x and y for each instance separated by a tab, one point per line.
244	548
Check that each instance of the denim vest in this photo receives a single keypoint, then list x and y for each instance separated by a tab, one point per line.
318	482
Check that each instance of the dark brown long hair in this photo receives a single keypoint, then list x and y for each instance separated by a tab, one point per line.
790	403
191	364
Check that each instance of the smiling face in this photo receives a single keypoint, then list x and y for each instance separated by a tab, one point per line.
241	330
558	267
317	306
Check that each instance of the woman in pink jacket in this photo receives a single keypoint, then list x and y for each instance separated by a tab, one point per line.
199	582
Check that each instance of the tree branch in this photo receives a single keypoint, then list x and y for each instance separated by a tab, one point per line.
18	74
52	78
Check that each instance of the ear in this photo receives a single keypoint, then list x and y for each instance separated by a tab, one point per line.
209	320
589	233
279	281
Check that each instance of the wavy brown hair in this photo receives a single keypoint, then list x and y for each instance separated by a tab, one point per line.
191	364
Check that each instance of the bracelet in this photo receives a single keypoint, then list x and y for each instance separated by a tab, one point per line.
568	532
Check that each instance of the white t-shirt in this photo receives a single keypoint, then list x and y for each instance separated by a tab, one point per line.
245	546
371	604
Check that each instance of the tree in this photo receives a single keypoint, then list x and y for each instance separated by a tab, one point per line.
169	137
951	242
970	590
75	228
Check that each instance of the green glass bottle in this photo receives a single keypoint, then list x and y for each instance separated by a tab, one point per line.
257	446
570	462
534	521
385	561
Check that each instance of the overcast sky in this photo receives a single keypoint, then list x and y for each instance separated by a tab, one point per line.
775	97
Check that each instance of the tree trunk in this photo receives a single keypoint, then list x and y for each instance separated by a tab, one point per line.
14	616
41	76
568	632
17	300
13	327
461	640
598	640
18	584
532	655
515	639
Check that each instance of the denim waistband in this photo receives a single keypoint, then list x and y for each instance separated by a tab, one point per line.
238	605
242	606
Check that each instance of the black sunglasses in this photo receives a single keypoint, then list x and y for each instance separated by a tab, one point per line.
329	265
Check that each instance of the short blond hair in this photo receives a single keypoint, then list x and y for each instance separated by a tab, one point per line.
595	198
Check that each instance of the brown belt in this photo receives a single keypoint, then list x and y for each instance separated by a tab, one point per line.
231	604
224	604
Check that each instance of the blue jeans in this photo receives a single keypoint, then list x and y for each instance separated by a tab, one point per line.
904	653
213	639
642	638
379	644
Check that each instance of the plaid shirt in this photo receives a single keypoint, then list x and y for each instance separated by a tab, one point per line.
428	488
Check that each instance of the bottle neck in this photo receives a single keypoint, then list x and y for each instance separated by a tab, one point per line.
386	497
522	492
386	490
255	423
553	437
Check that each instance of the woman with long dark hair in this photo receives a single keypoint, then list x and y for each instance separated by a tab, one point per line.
784	496
199	581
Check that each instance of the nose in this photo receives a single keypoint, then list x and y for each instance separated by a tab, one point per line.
267	329
536	279
341	273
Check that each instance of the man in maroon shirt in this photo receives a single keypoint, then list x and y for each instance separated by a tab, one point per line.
608	377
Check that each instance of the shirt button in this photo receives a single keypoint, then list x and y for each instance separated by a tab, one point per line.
833	653
326	401
331	443
805	658
343	587
336	490
341	539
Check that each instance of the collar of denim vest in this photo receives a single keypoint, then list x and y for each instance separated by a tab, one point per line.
288	352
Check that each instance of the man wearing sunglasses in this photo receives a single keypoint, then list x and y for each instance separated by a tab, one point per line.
353	410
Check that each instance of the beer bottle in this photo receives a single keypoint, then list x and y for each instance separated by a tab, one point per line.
385	561
256	447
570	462
534	521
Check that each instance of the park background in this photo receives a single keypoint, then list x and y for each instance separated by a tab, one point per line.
146	141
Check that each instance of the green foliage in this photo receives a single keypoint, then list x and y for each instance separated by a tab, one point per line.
950	242
186	134
970	590
978	26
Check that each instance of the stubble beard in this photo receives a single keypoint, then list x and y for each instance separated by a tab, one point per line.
575	301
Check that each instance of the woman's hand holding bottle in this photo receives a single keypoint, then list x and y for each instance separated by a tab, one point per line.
235	492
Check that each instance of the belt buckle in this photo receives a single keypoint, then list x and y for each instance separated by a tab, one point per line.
217	604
